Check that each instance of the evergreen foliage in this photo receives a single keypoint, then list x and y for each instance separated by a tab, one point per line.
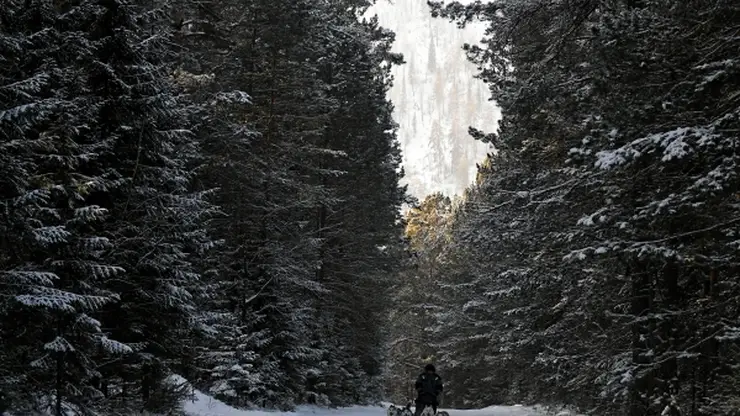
207	188
593	263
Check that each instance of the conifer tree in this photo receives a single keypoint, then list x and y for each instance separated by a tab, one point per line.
122	123
609	220
287	164
97	204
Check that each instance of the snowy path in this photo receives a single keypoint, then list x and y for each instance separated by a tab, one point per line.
204	405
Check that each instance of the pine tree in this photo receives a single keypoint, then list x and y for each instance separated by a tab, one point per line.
117	127
617	170
436	160
288	165
53	258
100	163
416	293
159	220
359	238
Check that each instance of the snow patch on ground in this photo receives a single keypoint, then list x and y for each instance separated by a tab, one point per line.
517	410
204	405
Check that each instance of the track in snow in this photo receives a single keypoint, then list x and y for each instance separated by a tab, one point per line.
204	405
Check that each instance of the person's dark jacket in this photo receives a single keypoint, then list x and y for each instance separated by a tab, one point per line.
428	386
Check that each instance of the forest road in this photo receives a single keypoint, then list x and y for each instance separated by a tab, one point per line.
204	405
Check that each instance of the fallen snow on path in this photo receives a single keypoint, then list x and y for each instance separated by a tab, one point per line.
497	411
204	405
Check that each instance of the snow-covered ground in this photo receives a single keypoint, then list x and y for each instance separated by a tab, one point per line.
211	407
204	405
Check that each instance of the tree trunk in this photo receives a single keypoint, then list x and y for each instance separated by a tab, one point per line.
59	384
669	331
639	402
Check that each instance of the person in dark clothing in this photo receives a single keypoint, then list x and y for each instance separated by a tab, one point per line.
428	386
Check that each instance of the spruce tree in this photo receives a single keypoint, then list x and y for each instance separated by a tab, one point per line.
97	204
610	145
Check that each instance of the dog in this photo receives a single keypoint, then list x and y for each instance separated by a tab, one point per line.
429	411
400	411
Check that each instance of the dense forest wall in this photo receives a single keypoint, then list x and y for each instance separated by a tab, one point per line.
594	263
209	188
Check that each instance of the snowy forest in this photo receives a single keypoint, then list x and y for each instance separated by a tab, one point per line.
595	260
205	188
436	98
212	189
